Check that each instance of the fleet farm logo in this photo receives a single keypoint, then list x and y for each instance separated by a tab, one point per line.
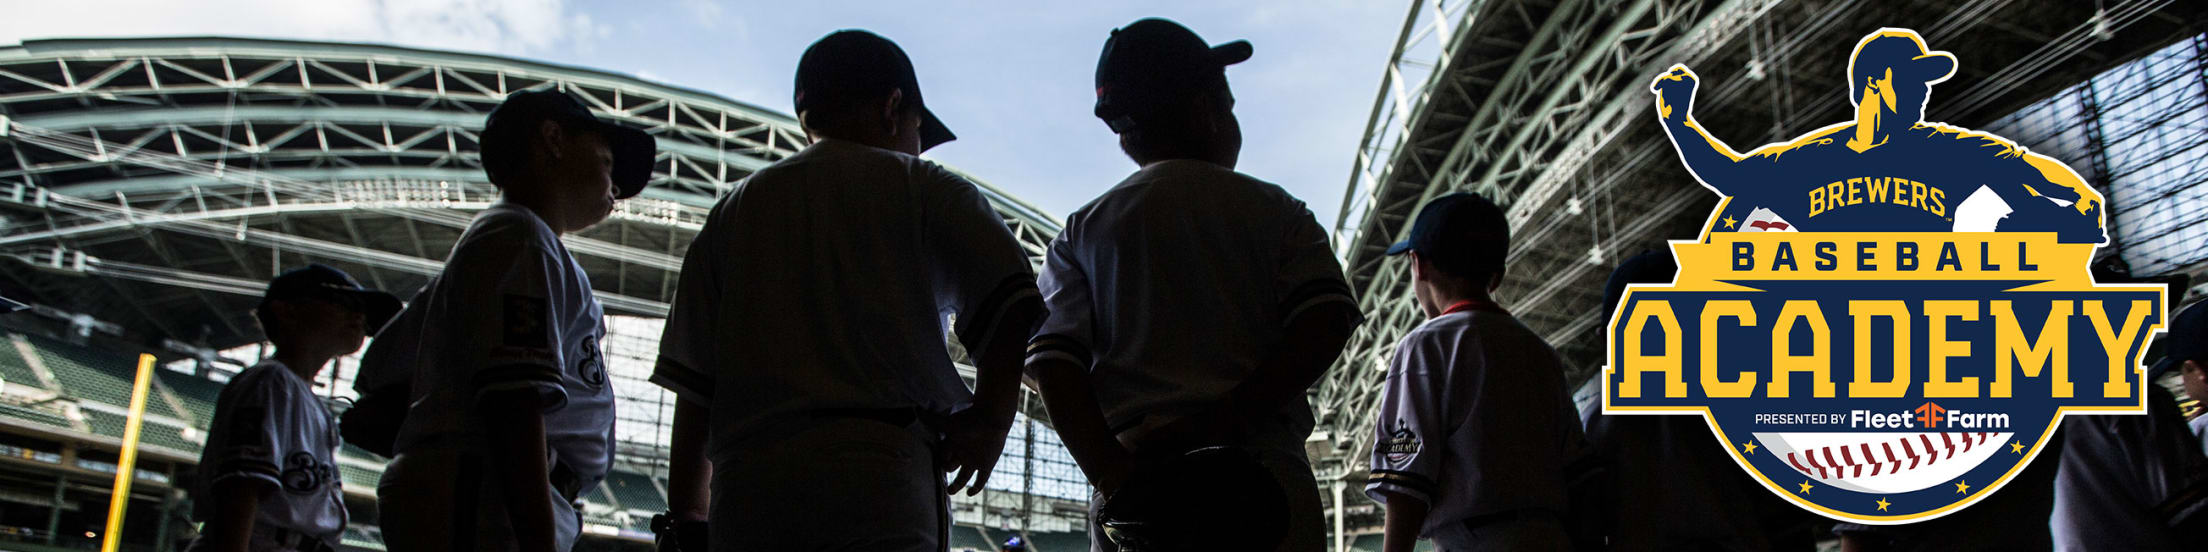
1885	318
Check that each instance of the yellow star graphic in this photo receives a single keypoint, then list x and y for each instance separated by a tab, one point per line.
1729	222
1751	446
1805	487
2016	447
1882	504
1962	487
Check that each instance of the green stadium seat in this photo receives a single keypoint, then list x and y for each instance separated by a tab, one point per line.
1058	542
1367	543
597	495
964	538
96	375
198	394
635	491
358	477
12	366
34	415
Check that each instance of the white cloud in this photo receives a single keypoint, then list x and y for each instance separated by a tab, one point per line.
499	26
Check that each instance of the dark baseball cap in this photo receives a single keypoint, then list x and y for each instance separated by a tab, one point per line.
1460	233
2186	338
1901	50
1154	61
323	283
853	64
1654	266
509	127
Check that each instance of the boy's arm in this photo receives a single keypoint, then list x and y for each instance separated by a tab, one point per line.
237	501
1074	412
1406	514
1311	344
689	474
515	422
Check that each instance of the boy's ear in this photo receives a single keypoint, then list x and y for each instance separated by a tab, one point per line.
549	139
891	110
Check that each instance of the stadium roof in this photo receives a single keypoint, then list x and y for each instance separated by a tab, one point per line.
1543	105
155	183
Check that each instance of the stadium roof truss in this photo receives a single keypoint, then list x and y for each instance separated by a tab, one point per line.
203	165
1543	105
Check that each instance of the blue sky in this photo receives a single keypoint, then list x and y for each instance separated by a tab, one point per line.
1014	79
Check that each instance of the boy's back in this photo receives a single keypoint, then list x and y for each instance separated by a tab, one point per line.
1477	422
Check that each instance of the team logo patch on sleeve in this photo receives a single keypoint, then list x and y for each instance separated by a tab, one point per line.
526	321
1401	445
1884	319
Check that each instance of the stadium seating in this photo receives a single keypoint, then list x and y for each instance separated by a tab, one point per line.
970	538
34	415
635	492
1058	542
96	375
12	366
358	477
198	394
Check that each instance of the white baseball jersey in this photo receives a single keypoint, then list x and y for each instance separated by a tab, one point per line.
269	425
823	282
511	310
1475	421
2199	425
1176	284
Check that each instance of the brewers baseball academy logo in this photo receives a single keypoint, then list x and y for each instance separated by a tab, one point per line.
1885	318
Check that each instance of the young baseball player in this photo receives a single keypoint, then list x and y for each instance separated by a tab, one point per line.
2137	482
268	477
2187	353
1476	429
1190	305
512	417
818	405
1673	465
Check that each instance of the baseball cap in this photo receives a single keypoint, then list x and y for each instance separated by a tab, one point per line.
508	129
1151	61
854	64
2185	339
323	283
1648	267
1901	50
1459	233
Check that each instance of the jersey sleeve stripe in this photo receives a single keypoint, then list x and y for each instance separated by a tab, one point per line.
980	325
684	381
1060	347
2186	502
245	466
1414	481
522	376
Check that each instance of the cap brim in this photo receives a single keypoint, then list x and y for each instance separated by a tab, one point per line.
10	305
376	307
1939	65
932	131
1231	53
2162	366
633	153
1399	247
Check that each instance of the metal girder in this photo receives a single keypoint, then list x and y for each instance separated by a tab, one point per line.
1549	93
266	139
1560	136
